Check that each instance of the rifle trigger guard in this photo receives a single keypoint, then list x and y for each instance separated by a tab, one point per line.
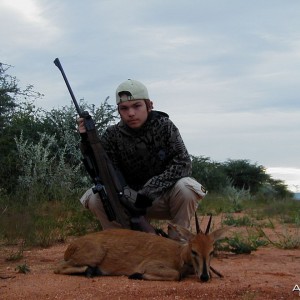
98	188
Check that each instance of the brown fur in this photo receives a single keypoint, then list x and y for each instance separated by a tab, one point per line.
141	255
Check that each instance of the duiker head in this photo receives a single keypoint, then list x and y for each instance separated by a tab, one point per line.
200	246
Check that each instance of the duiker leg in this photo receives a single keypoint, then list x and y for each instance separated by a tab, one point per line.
155	270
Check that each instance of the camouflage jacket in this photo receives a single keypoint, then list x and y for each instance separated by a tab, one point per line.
152	158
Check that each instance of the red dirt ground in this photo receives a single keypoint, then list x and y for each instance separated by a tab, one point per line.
268	273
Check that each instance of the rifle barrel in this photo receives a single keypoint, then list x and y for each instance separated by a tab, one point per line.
58	64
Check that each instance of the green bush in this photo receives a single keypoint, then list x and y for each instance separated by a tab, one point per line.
241	244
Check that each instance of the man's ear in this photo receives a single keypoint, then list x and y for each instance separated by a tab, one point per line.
149	105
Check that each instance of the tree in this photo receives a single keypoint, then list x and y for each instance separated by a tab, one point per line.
279	188
16	113
244	175
23	127
209	173
8	88
52	166
62	123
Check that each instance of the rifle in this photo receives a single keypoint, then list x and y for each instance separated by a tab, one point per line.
109	183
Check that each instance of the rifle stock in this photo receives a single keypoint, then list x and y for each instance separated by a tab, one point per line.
108	183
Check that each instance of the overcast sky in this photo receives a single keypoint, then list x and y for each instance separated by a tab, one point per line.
226	71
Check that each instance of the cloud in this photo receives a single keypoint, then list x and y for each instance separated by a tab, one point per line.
290	175
226	72
31	29
260	137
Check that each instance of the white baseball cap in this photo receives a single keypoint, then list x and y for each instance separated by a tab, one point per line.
131	90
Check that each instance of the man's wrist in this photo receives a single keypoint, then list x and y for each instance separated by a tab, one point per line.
142	201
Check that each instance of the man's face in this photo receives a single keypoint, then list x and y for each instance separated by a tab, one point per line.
134	113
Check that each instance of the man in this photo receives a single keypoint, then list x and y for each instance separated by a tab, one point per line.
148	150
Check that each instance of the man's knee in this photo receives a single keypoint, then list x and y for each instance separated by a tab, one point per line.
93	202
189	188
90	200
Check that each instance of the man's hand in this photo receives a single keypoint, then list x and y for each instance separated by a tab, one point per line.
81	126
136	203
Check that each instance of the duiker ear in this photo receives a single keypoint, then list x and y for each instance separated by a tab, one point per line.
178	233
219	233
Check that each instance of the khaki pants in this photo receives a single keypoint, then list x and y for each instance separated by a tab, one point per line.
177	205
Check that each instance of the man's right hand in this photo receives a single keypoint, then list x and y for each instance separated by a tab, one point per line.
81	126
